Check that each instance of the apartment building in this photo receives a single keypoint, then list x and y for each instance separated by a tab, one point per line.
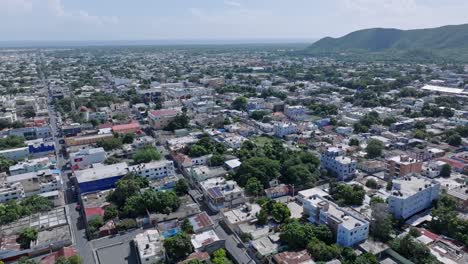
149	246
333	159
85	140
154	170
412	194
284	129
31	166
221	193
295	112
349	229
402	165
85	157
159	119
28	184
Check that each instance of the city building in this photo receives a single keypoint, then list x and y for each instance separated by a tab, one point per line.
100	177
28	184
207	241
221	193
132	127
283	129
412	194
154	170
149	246
402	165
86	157
88	139
159	119
333	160
295	112
31	166
349	229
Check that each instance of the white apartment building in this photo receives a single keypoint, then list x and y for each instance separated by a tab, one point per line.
86	157
149	246
154	170
295	112
333	159
221	193
349	229
284	129
412	194
29	184
30	166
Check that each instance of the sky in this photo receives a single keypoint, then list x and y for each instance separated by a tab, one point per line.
84	20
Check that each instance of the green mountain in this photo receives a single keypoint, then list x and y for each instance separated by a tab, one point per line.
447	42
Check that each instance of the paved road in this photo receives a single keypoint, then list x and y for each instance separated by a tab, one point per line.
82	244
233	246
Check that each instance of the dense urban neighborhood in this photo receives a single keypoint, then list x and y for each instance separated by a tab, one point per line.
230	154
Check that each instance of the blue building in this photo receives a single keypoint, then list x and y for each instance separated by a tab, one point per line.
101	177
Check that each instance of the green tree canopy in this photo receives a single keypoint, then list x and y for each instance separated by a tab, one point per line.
178	247
146	154
374	148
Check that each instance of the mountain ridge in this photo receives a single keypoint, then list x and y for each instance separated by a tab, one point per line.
439	42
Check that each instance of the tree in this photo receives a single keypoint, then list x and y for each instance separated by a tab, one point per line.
220	257
280	212
126	187
258	115
354	142
178	247
5	164
414	232
321	251
376	200
94	224
374	148
347	195
197	151
126	224
381	226
110	212
264	169
29	113
128	138
388	121
181	187
146	154
299	175
26	236
254	187
187	226
110	143
454	140
371	183
179	122
413	250
389	186
11	142
217	160
240	103
445	171
26	260
262	217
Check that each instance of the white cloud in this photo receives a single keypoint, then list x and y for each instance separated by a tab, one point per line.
232	3
15	6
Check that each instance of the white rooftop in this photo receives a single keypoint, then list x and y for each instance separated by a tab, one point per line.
101	172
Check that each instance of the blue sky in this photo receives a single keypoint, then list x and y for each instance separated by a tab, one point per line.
216	19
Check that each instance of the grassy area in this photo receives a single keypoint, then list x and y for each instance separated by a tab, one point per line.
261	141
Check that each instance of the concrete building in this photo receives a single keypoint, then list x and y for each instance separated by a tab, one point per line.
460	195
100	177
207	241
295	112
284	129
348	228
85	140
412	194
149	246
220	193
29	184
132	127
31	166
333	159
159	119
154	170
402	165
86	157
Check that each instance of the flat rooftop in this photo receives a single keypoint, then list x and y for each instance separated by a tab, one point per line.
411	185
101	172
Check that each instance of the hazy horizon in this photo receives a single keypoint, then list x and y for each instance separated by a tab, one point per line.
233	20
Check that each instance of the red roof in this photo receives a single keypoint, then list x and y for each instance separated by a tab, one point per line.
94	211
63	252
163	112
455	164
132	125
